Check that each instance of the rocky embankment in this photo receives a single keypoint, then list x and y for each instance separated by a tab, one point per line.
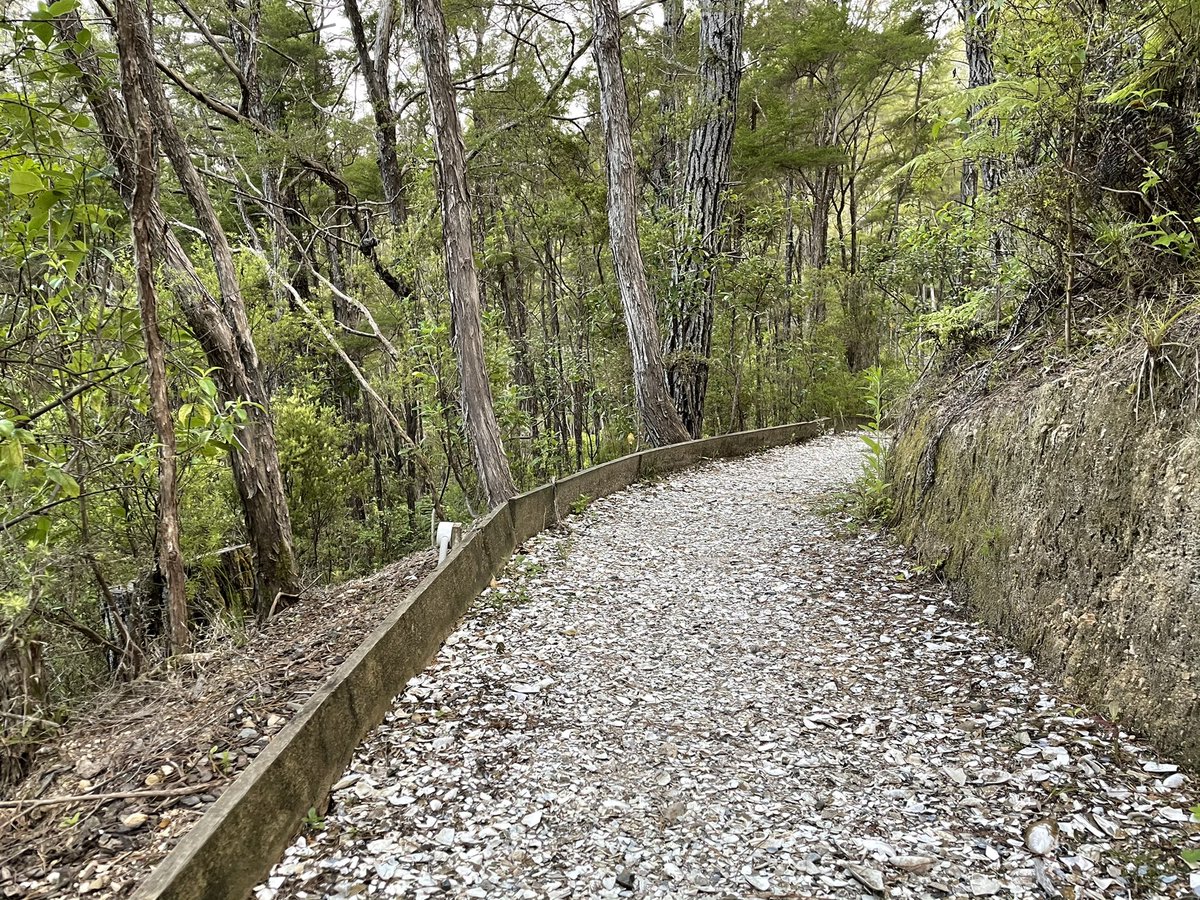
1068	507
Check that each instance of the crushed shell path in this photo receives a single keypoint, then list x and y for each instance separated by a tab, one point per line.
702	688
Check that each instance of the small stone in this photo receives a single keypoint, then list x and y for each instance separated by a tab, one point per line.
1160	768
984	886
134	820
626	879
386	869
89	768
958	776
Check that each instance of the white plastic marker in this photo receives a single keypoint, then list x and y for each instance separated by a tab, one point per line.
448	535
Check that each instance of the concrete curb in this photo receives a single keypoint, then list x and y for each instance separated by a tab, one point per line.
243	834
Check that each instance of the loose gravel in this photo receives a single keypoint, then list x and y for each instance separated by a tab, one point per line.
710	687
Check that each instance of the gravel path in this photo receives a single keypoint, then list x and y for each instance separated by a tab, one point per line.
704	688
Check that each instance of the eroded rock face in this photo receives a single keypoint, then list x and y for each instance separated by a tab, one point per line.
1072	519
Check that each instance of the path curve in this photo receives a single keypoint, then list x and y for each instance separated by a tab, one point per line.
702	688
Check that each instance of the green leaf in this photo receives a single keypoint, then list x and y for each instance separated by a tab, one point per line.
40	530
12	456
70	487
62	7
44	31
25	182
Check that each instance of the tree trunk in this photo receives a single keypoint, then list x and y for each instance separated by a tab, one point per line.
516	323
255	459
170	557
817	246
466	316
22	700
698	246
665	165
660	420
374	73
262	490
978	33
245	25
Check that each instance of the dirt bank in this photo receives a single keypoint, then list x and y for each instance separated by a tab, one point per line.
1069	509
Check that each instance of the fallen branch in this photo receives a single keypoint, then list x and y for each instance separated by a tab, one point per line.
27	805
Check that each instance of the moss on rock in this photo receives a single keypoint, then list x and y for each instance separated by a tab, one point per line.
1073	523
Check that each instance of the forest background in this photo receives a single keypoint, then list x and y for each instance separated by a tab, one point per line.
283	283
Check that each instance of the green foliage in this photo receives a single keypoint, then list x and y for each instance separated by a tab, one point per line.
870	497
313	820
325	477
850	254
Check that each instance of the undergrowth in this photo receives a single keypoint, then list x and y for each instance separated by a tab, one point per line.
869	497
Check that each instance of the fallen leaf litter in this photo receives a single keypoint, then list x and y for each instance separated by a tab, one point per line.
704	687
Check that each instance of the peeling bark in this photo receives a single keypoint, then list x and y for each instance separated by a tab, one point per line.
660	420
466	315
223	336
170	556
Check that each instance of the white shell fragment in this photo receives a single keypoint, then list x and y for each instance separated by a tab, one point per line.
1040	839
918	865
867	876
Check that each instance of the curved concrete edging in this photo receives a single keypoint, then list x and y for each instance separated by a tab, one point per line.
235	843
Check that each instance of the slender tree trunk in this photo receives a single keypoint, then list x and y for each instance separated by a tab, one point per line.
170	557
822	186
262	494
245	25
817	245
660	420
374	73
665	166
698	245
516	322
979	31
226	344
978	34
466	316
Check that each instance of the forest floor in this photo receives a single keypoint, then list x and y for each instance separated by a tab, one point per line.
173	741
710	687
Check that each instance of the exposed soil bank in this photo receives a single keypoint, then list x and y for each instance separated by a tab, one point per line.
1073	521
